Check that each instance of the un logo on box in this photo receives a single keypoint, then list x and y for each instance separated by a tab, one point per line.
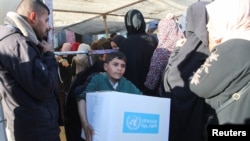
141	123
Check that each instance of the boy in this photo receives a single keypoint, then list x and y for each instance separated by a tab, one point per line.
112	80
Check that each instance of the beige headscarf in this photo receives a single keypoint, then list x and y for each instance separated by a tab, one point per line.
82	47
81	60
229	19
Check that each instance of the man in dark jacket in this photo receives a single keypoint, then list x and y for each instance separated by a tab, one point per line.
28	75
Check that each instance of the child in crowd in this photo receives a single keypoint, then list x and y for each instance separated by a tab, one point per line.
112	79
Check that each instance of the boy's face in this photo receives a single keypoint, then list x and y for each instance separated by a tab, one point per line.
115	69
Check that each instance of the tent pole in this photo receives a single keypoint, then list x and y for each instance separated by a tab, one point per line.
3	136
50	37
105	25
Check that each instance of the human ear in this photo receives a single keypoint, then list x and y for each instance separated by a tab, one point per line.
105	66
32	17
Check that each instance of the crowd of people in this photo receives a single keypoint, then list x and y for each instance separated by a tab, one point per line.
201	64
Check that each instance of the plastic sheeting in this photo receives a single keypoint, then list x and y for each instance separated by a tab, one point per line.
98	16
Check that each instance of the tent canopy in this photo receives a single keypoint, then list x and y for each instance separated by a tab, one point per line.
99	16
102	16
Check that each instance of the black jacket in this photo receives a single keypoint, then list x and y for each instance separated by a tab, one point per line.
188	112
28	82
138	48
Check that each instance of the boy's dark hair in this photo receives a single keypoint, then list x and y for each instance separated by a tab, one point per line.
118	55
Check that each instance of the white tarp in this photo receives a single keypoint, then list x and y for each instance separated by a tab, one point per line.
87	16
7	5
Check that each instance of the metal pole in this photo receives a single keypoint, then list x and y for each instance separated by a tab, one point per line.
70	52
89	53
50	37
2	123
105	25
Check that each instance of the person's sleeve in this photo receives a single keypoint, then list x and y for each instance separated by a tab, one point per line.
157	65
133	89
218	71
91	86
35	74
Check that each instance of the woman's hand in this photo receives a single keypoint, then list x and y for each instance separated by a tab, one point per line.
63	61
180	42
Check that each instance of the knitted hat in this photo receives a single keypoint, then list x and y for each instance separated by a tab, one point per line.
153	24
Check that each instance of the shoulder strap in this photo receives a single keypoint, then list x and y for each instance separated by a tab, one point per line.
7	35
235	97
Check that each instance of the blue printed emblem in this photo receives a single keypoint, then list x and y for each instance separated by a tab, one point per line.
141	123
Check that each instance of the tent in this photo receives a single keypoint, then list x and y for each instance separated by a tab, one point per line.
99	16
94	16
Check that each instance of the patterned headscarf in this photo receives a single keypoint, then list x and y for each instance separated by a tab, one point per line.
168	34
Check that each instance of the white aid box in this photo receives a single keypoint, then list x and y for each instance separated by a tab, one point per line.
117	116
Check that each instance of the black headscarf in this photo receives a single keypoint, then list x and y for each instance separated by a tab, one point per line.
118	39
194	52
196	22
134	22
138	48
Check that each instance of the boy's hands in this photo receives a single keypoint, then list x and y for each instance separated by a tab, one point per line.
88	130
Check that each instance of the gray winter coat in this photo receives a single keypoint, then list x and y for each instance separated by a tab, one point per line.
28	82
